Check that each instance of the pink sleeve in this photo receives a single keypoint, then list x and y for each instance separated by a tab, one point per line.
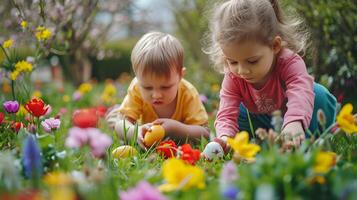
299	91
230	98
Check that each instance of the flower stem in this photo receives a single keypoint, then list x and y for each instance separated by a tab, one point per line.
13	90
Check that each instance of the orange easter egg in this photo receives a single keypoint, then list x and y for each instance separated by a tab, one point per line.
156	134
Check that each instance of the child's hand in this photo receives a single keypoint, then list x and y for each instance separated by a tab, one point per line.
169	125
141	132
294	134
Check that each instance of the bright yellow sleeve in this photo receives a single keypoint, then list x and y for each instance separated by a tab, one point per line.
132	105
193	109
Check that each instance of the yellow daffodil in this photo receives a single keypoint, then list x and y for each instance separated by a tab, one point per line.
42	33
14	75
37	94
23	24
57	179
109	90
242	148
179	175
23	66
324	162
60	186
8	43
346	120
85	88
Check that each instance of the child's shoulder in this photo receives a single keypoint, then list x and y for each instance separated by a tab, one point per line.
286	55
187	87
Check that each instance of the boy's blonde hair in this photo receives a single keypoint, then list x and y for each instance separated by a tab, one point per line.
259	20
157	53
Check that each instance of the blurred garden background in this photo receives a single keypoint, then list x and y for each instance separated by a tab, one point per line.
75	55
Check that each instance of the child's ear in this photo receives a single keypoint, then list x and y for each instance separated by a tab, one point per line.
277	44
183	71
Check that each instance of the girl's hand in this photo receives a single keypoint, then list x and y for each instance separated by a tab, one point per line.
294	134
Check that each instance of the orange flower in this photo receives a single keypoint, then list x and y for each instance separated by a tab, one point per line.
190	155
36	107
167	149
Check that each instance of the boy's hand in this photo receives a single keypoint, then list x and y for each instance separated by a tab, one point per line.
141	133
294	134
169	125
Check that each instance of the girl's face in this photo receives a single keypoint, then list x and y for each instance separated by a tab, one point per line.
251	60
159	91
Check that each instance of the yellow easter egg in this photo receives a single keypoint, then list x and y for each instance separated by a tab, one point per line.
156	134
124	152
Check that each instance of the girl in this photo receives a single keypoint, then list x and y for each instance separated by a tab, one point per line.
256	48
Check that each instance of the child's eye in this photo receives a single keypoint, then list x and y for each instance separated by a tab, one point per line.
147	88
233	62
166	87
252	61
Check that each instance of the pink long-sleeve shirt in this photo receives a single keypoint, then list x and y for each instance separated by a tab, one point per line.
289	89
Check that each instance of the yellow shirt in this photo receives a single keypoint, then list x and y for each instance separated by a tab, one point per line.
189	108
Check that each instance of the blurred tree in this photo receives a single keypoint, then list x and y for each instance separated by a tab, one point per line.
79	28
191	26
333	25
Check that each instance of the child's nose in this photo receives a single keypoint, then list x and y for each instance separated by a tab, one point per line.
156	94
242	70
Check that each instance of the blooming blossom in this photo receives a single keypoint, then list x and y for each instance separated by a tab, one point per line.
188	154
324	162
8	43
97	141
142	191
346	120
179	175
167	149
11	106
51	124
42	33
23	24
31	157
242	148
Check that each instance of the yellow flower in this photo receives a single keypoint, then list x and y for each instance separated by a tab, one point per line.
57	179
180	175
8	43
346	120
42	33
22	66
109	90
37	93
22	111
23	24
14	75
215	88
318	179
65	98
85	88
324	162
242	148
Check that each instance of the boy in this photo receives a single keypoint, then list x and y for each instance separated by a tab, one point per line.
158	94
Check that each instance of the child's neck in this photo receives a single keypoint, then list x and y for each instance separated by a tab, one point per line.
166	111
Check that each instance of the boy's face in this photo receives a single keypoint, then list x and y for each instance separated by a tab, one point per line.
159	91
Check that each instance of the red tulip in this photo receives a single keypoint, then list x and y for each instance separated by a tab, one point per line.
36	107
101	110
167	149
85	118
2	116
190	155
16	126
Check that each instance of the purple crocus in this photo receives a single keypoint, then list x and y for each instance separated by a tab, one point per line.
142	191
31	158
11	106
51	124
97	141
230	192
203	98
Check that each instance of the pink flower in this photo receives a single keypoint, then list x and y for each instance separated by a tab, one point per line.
51	124
97	141
142	191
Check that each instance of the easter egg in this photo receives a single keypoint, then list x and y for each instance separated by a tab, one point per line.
124	152
213	150
155	134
